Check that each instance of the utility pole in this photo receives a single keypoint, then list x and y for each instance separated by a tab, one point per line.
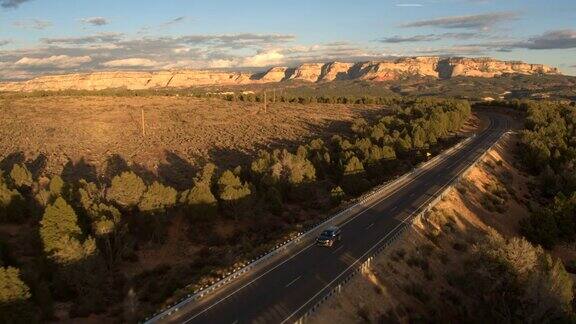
264	101
143	125
274	95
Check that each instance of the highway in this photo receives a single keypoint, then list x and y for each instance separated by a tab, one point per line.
283	290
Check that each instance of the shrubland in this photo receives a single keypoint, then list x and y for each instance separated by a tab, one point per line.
81	242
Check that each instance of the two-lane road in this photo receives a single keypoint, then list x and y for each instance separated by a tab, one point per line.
284	290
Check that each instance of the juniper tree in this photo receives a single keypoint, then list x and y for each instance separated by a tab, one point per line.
126	189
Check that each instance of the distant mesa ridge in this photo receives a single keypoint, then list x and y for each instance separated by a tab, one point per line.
436	67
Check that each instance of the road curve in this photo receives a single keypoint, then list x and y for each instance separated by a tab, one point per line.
283	291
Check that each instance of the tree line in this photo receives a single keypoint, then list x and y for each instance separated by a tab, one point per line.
549	152
85	229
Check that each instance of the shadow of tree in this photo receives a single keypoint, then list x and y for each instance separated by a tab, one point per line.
11	159
176	171
74	171
38	165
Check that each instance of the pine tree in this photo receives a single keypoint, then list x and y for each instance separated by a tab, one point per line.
56	186
157	198
12	203
15	306
20	175
231	189
337	195
353	166
58	226
200	201
127	189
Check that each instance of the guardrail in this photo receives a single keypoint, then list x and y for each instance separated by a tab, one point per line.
243	268
396	233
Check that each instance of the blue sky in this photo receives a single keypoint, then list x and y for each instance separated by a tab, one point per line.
61	36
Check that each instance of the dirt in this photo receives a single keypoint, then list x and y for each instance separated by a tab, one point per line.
381	293
85	136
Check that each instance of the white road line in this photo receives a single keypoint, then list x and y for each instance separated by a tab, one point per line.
394	208
371	224
375	245
341	246
247	284
423	172
293	281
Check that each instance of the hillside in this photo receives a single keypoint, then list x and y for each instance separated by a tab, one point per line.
446	267
435	67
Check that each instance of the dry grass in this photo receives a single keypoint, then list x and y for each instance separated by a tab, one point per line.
181	132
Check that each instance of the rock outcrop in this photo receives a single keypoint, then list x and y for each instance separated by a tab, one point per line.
435	67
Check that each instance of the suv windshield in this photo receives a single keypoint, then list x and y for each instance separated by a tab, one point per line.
327	234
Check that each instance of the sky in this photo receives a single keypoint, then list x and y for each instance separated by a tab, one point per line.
39	37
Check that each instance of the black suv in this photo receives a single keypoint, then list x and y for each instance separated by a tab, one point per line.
329	237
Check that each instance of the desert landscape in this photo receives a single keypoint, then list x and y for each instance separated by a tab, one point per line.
71	135
296	162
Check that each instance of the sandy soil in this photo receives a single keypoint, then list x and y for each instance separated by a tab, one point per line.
85	135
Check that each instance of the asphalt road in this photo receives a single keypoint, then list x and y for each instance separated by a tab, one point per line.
283	291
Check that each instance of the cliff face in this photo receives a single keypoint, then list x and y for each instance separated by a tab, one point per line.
312	72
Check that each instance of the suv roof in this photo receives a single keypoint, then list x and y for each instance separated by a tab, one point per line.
332	229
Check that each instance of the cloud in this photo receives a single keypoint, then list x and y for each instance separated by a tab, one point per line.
460	50
91	39
409	5
173	21
427	38
131	62
410	39
4	42
264	58
32	24
555	39
12	3
481	21
59	61
95	21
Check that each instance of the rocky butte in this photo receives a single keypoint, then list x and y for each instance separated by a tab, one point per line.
436	67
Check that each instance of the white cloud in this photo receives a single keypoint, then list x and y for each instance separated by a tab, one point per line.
264	58
59	61
131	62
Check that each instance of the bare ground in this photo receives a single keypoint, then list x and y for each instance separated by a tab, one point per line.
81	136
